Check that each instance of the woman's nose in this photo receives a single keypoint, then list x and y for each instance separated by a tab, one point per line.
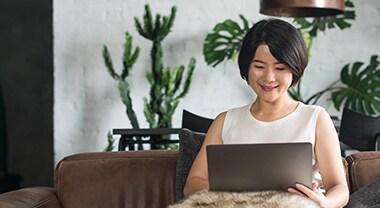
269	75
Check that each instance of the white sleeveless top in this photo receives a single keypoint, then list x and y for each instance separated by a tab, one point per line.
299	126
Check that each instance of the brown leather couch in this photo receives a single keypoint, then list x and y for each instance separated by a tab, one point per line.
137	179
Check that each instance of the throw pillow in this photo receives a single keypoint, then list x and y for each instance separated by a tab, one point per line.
190	142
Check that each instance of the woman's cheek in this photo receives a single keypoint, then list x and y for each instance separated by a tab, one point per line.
254	74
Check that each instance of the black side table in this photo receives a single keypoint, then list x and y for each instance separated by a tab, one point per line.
130	137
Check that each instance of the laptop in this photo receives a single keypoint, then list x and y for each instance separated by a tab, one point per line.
259	167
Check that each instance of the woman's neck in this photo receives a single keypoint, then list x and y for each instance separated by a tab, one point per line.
265	111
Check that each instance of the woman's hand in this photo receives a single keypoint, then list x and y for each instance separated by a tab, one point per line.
314	193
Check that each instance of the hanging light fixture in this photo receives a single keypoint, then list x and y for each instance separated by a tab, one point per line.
301	8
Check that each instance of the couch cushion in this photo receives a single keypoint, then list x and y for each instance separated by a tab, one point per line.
363	168
36	197
117	179
190	144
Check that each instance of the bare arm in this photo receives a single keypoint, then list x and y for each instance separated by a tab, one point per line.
198	176
329	159
327	151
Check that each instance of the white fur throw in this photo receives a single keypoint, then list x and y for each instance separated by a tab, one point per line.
265	199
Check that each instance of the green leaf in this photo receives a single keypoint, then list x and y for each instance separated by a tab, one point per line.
225	41
245	22
302	22
295	94
349	3
229	26
342	21
338	97
349	15
360	84
342	24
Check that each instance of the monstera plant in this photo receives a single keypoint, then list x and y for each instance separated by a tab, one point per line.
357	88
224	42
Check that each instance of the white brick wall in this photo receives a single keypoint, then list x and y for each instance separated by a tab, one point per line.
86	100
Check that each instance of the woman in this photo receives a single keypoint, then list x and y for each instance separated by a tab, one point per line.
272	58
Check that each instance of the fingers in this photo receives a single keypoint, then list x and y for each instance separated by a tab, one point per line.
304	190
314	186
313	193
295	191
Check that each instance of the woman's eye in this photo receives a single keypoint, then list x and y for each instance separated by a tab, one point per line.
281	68
259	67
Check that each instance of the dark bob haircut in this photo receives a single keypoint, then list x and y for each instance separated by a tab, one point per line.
285	43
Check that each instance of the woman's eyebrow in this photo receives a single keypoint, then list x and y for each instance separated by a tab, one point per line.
263	62
255	60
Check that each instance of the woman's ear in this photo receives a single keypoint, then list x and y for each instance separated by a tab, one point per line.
294	83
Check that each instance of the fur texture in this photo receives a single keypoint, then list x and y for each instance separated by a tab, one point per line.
265	199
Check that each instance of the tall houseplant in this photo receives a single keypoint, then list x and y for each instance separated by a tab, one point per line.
355	89
167	86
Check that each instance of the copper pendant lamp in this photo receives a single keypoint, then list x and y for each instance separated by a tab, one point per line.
301	8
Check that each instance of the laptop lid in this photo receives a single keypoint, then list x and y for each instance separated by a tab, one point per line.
258	167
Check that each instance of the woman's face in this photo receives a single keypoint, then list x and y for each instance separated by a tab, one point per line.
268	78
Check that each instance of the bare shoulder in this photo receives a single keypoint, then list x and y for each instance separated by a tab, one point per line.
323	114
220	118
214	133
324	121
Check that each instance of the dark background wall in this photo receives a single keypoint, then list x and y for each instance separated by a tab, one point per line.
26	75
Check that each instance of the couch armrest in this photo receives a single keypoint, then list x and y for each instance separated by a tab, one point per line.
117	179
363	168
36	197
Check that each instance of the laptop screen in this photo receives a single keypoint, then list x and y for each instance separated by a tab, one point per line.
258	167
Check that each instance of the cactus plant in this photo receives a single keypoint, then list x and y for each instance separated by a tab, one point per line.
167	86
129	60
164	94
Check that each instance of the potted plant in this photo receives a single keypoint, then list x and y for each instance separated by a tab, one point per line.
167	86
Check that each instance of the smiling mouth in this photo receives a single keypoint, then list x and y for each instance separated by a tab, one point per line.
268	88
